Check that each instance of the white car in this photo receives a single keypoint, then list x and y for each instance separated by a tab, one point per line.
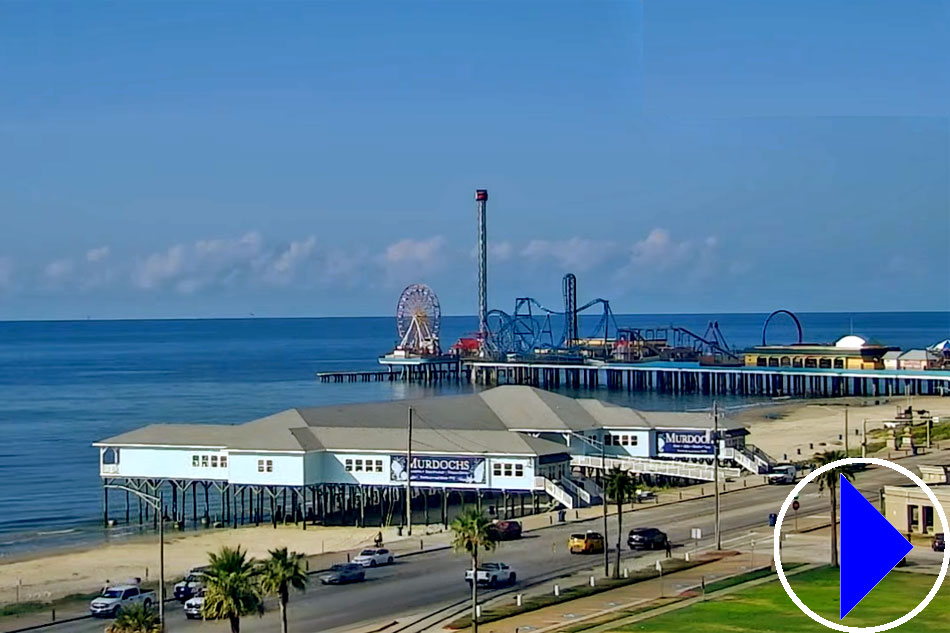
374	557
493	575
193	605
114	598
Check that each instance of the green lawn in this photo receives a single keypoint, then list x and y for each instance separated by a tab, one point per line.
766	608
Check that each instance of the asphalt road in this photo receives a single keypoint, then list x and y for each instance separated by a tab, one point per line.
426	582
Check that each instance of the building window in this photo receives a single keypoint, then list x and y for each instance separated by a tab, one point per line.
496	470
839	363
359	465
204	461
260	465
214	461
624	440
224	461
349	465
519	470
194	461
270	466
379	465
609	439
507	470
761	361
633	440
824	363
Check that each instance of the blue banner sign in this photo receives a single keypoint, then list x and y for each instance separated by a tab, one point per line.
679	442
439	469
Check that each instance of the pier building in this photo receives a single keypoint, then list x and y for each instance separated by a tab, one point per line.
849	352
348	463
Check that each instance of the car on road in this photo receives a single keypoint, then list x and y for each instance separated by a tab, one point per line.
373	557
782	474
588	542
939	544
506	530
343	573
192	582
646	538
193	605
115	597
493	575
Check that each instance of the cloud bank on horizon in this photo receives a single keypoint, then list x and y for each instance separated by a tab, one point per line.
191	160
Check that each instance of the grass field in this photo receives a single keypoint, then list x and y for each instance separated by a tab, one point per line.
767	609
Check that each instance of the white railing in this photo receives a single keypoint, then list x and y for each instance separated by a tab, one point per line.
108	469
572	487
657	467
555	492
749	460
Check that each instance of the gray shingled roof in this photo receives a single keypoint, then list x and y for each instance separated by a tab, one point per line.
471	423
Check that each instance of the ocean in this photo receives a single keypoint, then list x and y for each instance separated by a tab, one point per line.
66	384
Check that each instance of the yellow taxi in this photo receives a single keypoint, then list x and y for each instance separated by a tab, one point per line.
586	543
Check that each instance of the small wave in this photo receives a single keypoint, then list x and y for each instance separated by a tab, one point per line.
53	532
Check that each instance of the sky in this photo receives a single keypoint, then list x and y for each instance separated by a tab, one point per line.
223	159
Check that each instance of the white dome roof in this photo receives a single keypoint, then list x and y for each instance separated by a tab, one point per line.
851	342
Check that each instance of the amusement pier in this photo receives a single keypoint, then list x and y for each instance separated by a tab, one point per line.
539	346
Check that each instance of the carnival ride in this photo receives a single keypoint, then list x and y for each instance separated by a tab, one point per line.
418	320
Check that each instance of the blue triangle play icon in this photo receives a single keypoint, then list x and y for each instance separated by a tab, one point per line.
870	547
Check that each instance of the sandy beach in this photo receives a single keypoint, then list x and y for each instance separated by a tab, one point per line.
781	430
797	430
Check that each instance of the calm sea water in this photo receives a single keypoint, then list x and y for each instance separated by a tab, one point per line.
64	385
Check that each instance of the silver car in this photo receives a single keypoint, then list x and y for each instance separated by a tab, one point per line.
343	573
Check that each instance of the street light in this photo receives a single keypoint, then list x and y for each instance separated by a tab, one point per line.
157	504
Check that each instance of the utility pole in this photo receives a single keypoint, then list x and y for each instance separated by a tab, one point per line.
864	439
846	454
603	494
409	477
716	468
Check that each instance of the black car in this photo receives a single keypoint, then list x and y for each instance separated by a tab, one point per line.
939	543
646	538
505	530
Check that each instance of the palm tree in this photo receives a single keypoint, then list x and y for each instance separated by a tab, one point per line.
231	587
829	480
279	573
473	531
135	618
619	485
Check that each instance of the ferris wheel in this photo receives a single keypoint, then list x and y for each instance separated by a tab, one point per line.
418	318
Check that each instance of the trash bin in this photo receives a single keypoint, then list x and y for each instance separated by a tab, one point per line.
773	519
560	515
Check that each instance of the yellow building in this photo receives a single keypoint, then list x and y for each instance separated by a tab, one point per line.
849	352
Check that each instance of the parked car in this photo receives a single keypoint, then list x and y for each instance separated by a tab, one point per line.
193	605
374	557
939	544
114	598
493	575
646	538
645	495
189	586
586	543
344	573
782	474
506	530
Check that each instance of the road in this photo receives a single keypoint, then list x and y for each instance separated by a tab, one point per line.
425	582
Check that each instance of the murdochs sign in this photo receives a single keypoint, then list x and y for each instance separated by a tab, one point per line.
440	468
678	442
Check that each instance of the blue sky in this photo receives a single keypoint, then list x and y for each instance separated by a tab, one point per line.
294	159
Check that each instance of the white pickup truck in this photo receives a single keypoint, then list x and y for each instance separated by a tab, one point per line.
493	575
116	597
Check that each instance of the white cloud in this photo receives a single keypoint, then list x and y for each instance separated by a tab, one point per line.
97	254
59	270
189	268
420	252
284	266
577	254
658	251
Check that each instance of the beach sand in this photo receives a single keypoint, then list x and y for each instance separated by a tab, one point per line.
814	427
52	576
